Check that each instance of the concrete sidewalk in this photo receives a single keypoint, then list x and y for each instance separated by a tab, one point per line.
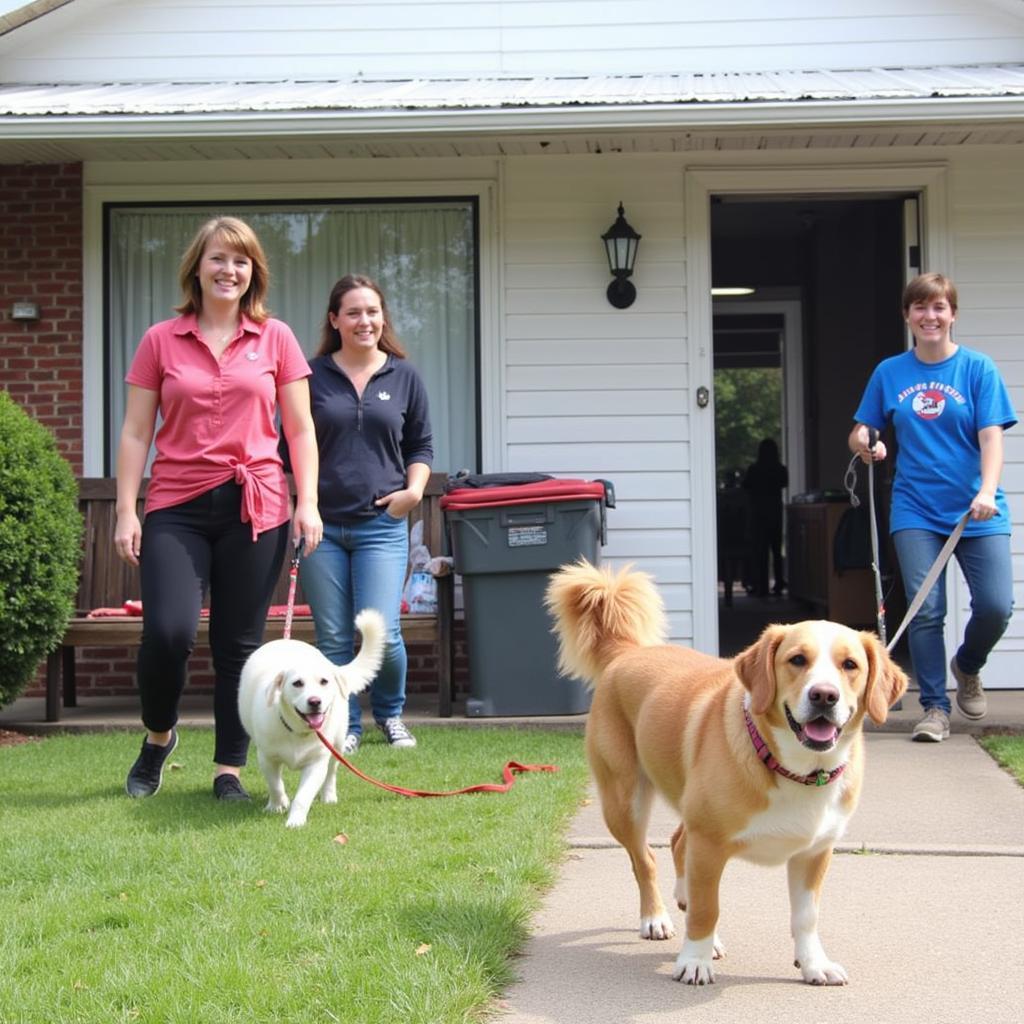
922	906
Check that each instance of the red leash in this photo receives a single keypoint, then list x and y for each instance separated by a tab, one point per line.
508	773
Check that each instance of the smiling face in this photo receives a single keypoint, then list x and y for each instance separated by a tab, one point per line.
309	695
224	273
359	319
931	321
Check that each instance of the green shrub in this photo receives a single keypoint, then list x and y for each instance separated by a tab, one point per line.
40	546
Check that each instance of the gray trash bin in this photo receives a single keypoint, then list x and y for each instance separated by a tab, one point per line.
506	541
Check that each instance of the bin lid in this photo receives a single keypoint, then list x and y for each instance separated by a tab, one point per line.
523	494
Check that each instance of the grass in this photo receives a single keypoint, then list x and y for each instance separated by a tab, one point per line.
179	909
1008	751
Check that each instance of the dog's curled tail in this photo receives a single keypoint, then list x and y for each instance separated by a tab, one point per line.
598	613
360	671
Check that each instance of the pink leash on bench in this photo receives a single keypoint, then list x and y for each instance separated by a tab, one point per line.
508	773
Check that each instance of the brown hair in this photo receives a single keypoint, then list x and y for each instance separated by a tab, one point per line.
330	337
929	286
237	235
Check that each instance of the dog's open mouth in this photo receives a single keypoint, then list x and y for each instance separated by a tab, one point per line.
314	719
817	734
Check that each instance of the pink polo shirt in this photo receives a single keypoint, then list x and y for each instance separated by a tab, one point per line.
219	418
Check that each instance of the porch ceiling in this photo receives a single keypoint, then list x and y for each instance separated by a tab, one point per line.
382	146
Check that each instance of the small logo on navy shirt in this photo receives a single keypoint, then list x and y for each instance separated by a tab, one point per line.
929	404
383	396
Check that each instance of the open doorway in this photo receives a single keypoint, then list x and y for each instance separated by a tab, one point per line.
791	357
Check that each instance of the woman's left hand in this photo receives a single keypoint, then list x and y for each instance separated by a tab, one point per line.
983	506
307	527
399	503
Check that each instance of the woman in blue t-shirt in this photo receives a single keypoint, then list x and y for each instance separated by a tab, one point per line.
948	407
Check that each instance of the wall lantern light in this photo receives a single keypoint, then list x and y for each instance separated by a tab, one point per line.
621	243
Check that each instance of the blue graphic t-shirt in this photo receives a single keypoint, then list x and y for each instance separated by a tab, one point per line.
937	410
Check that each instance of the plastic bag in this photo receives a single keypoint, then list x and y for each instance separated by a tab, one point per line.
420	592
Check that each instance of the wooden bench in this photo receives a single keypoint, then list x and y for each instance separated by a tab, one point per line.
107	582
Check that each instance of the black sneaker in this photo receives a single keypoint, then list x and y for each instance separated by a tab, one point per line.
229	787
148	771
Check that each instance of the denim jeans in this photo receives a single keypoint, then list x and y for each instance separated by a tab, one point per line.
988	569
361	565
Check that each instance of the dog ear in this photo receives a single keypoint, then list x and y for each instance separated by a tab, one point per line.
755	668
887	682
274	690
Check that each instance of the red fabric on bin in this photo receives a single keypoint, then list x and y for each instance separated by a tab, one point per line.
523	494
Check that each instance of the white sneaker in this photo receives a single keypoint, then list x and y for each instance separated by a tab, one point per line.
396	733
350	744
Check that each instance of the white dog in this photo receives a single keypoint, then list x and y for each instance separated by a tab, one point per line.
288	692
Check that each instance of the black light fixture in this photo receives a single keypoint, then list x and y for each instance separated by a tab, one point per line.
621	243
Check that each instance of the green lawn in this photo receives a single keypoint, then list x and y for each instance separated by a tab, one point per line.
1009	752
180	909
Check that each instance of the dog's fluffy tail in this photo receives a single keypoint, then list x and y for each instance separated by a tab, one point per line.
360	671
598	613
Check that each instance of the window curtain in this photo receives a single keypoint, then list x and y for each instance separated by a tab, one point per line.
421	254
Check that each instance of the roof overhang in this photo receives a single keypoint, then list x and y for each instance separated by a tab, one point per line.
139	113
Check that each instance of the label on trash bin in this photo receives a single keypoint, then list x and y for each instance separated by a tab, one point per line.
527	536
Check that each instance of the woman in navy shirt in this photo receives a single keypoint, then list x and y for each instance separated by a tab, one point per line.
373	434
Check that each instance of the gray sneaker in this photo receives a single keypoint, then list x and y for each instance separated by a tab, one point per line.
396	733
970	697
933	727
350	744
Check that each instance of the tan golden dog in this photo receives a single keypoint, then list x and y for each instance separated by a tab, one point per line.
761	755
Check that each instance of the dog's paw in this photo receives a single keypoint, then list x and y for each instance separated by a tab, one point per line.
295	821
823	972
718	948
693	965
277	806
329	796
693	971
657	927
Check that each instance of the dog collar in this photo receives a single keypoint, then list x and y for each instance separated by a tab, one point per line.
818	778
284	723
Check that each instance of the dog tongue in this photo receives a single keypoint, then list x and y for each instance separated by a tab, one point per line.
315	721
820	730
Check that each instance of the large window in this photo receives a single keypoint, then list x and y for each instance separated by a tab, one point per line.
423	253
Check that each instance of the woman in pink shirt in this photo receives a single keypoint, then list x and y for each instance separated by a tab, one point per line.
217	505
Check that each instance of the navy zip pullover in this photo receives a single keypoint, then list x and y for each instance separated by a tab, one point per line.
366	445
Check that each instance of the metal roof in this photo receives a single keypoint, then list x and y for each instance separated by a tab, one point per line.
114	99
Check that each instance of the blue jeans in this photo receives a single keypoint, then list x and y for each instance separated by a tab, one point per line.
361	565
988	569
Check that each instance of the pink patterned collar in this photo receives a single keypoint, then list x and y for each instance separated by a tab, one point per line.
818	778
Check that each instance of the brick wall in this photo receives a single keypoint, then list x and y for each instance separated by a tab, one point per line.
41	262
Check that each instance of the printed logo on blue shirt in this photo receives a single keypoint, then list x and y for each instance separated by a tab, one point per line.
929	404
383	396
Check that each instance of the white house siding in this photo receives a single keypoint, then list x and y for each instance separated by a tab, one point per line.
148	40
591	391
988	228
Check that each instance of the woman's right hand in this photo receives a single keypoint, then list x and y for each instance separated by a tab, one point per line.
128	537
867	454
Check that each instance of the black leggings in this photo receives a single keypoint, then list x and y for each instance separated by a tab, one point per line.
188	550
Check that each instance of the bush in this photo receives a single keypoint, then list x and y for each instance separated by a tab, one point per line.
40	546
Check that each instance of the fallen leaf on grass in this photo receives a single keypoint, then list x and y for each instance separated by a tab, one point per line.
341	839
422	948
